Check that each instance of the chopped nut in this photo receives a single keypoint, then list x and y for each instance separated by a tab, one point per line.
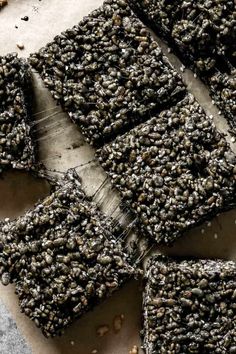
102	330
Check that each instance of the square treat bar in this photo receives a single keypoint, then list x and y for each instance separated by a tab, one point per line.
174	171
63	257
203	33
108	73
189	307
16	147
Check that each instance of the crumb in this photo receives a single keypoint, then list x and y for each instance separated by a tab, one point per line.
75	145
25	18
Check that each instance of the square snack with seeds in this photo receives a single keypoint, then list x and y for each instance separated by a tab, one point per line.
189	306
63	257
108	73
203	33
174	171
16	147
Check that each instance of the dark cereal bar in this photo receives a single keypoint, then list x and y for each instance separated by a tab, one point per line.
63	258
16	147
108	73
203	33
174	171
189	307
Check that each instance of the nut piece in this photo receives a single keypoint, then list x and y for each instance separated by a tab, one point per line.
102	330
118	322
134	350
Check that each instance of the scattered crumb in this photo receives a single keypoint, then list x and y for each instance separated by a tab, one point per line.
169	50
182	68
102	330
219	112
20	45
118	322
195	75
209	224
94	351
202	231
72	342
25	18
75	145
134	350
233	139
215	236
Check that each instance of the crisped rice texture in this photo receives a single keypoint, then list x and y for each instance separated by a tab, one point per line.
174	171
189	307
16	146
108	73
63	258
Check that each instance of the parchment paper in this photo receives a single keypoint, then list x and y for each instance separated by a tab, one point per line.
61	146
